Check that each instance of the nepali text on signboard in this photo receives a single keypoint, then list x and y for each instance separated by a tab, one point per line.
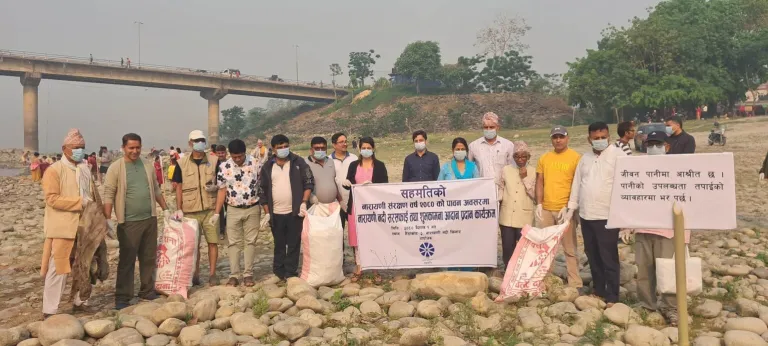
427	224
646	187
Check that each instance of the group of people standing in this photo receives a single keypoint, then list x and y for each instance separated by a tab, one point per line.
243	194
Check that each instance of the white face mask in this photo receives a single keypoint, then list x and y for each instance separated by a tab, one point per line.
420	146
600	144
654	150
460	155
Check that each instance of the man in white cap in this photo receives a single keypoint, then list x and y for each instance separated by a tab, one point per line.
491	152
196	197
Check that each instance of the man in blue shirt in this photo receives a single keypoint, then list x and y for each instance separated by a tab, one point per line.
421	165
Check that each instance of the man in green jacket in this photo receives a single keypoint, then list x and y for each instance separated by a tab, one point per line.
131	187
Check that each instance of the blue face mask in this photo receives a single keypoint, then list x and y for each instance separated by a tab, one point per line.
366	153
320	155
78	154
283	153
489	134
198	146
669	130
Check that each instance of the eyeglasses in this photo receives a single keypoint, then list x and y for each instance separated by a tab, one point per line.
341	142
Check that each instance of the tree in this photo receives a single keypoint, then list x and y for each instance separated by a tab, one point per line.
508	72
360	64
503	35
233	123
335	71
253	120
419	61
549	84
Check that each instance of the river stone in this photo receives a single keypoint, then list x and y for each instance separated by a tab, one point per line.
309	302
400	309
171	326
706	341
159	340
708	309
169	310
34	328
145	309
738	270
481	304
747	308
221	323
191	336
246	324
621	315
429	309
561	308
641	335
743	338
298	288
99	328
71	342
586	302
370	308
122	337
205	310
146	328
30	342
750	324
13	336
457	286
60	327
292	328
219	339
415	337
529	318
394	296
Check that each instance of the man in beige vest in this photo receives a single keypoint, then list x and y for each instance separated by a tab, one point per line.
68	189
517	199
195	178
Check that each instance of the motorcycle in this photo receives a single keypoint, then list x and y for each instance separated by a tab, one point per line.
717	137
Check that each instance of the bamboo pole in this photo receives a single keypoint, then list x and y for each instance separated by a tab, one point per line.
680	275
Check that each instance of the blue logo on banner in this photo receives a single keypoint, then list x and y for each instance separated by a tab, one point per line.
427	250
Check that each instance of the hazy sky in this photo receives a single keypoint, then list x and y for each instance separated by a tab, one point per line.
257	37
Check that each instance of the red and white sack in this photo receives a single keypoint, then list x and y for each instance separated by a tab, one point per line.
322	246
176	257
531	261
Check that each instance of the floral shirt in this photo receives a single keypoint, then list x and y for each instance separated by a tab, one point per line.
241	182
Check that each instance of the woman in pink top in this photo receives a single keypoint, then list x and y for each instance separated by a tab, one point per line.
366	170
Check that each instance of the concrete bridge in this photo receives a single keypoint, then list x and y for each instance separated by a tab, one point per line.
31	68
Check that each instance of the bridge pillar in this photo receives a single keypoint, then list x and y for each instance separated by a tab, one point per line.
213	96
30	81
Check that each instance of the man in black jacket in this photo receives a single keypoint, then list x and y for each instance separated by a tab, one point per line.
285	186
680	142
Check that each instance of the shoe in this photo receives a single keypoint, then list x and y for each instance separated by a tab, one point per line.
121	305
196	281
45	316
150	296
84	308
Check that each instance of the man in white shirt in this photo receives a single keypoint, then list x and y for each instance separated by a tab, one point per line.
591	195
341	160
491	152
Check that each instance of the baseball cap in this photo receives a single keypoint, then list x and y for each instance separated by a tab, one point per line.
196	134
657	136
558	130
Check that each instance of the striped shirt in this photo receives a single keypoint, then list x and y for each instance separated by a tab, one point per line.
624	146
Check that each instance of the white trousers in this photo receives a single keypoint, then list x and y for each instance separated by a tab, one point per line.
54	289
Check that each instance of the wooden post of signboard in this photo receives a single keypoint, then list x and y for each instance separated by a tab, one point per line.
680	276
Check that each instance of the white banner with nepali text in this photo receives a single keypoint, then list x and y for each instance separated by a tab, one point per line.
450	223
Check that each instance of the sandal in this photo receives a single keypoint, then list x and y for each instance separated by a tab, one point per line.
232	282
213	280
356	277
248	281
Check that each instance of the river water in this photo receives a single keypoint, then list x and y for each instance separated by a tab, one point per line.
9	172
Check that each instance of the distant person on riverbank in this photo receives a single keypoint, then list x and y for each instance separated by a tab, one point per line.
25	158
93	166
420	165
131	189
90	60
261	153
34	167
491	152
106	159
128	60
69	190
763	170
122	62
680	142
158	171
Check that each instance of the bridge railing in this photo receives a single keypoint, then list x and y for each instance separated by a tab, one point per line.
152	67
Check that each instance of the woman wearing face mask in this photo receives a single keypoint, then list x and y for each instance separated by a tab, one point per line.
517	200
459	167
366	170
